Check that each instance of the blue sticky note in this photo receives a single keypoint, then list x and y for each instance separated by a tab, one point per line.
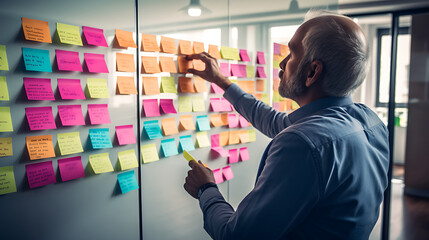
152	129
203	123
127	181
186	143
100	138
169	147
36	60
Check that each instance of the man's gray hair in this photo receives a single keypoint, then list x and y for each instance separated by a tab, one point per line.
344	55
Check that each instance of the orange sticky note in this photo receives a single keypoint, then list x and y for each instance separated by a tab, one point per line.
282	106
185	47
185	85
150	85
224	118
167	64
200	85
214	51
150	65
276	84
125	39
244	136
247	86
126	85
277	58
260	85
36	30
223	138
198	47
184	64
149	43
234	137
186	122
216	120
125	62
284	50
199	65
40	147
169	126
168	45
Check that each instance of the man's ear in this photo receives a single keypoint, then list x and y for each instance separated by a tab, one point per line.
314	72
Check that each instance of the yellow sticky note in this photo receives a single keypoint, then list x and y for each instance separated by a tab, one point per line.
185	104
198	104
100	163
295	105
149	153
40	147
128	159
97	88
276	96
4	93
188	156
126	85
252	135
250	71
202	139
69	143
6	147
229	53
168	85
7	180
3	58
69	34
5	120
36	30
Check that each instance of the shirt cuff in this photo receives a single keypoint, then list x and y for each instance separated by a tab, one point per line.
233	93
210	196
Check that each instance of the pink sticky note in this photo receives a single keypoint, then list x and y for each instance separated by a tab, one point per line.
68	60
167	105
276	106
221	151
96	63
276	49
226	106
71	168
220	105
40	174
125	134
215	140
227	173
232	120
70	89
40	118
260	72
260	57
98	113
224	69
243	121
38	89
218	175
276	73
244	154
94	36
244	56
233	155
151	108
71	115
216	89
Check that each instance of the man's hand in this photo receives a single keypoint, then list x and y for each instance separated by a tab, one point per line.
212	72
198	176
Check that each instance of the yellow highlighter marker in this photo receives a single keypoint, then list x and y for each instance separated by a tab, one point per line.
188	156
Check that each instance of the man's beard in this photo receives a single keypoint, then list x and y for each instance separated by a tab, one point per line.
294	87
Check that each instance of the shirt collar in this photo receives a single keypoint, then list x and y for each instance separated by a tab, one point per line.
317	105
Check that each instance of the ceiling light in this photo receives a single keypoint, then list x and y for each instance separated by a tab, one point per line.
195	9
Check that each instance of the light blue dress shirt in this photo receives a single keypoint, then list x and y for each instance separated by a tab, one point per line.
322	176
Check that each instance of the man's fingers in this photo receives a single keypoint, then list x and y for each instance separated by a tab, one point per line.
196	72
192	164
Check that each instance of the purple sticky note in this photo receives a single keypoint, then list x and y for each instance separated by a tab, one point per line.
96	63
70	89
233	156
232	120
221	151
215	140
243	121
167	106
216	89
218	175
244	154
276	49
151	108
71	115
68	60
244	56
125	134
260	57
227	173
40	118
71	168
98	114
38	89
224	69
276	73
94	36
40	174
260	72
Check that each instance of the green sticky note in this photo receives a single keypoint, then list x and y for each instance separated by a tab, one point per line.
229	53
252	135
234	81
250	71
295	105
97	88
149	153
188	156
276	96
168	85
168	147
5	120
69	143
69	34
185	104
4	93
7	180
3	58
128	159
198	104
186	143
100	163
266	98
276	64
202	139
127	181
152	129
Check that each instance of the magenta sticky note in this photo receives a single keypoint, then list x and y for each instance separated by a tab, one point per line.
276	49
125	134
232	120
244	56
216	89
276	73
227	173
40	118
221	151
98	113
215	140
260	57
218	175
40	174
71	115
71	168
243	121
239	70
220	105
167	106
68	60
244	154
38	89
233	155
224	69
260	72
94	36
151	108
96	63
70	89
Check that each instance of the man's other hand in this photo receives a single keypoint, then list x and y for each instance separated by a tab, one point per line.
197	176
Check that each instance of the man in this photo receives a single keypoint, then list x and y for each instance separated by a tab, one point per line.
324	173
